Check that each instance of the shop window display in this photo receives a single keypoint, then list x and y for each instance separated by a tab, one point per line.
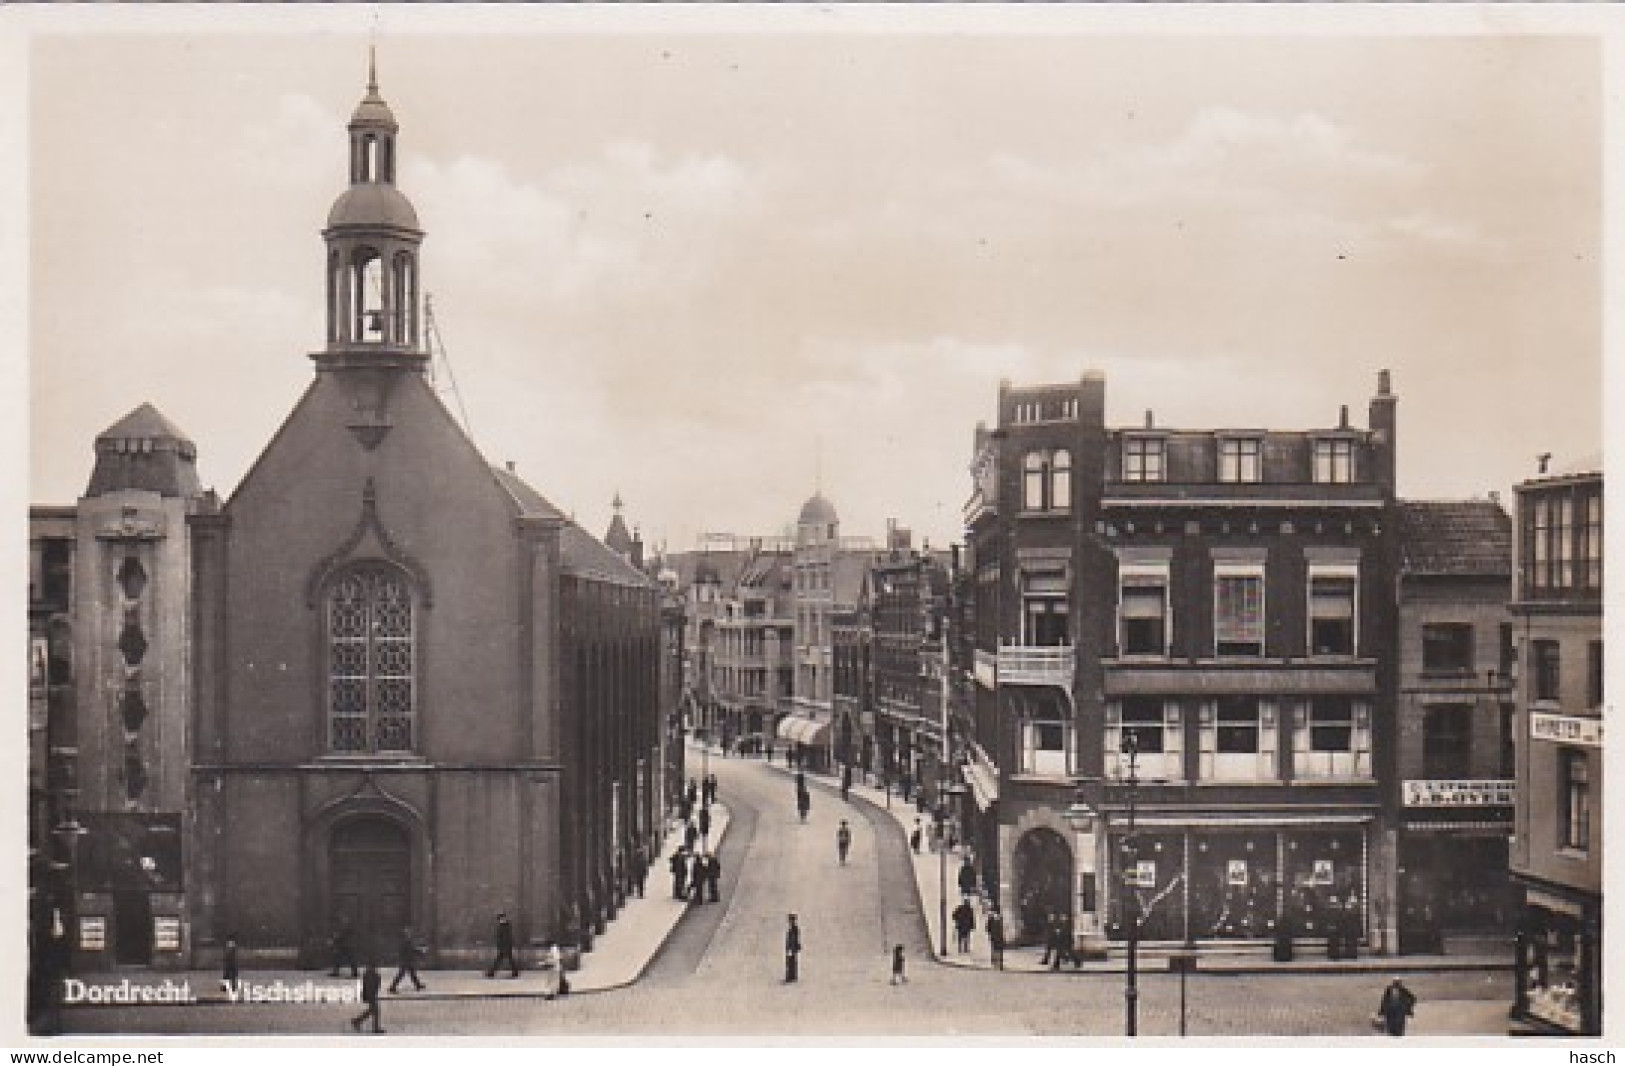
1554	973
1233	886
1150	876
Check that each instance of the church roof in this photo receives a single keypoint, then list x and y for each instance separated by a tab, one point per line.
1465	538
580	553
145	450
373	204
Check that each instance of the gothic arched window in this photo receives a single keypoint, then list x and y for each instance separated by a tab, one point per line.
371	662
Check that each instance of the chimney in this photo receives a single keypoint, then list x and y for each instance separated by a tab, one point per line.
1343	417
509	465
1149	421
1384	425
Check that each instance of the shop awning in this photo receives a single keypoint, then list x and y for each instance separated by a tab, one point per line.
983	785
803	730
1258	820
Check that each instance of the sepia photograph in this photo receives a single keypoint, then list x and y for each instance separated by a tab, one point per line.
867	523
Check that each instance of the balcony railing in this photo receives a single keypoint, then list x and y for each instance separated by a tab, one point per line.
1024	665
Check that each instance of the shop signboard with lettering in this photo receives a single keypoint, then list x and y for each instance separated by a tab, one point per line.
1565	729
1443	793
1236	872
92	934
1143	874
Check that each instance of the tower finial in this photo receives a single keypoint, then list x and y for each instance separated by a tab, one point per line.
372	66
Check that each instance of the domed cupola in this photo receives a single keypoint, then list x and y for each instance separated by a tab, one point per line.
373	239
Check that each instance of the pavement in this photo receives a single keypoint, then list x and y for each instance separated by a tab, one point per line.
928	874
619	956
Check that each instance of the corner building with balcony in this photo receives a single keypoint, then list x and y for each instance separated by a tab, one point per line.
1223	597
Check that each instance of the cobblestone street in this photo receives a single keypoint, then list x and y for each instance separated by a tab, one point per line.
721	971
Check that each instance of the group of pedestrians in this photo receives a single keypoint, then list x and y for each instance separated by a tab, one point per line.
695	875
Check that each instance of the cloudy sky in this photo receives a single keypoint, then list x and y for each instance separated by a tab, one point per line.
707	265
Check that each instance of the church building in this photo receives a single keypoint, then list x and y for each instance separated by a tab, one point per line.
422	695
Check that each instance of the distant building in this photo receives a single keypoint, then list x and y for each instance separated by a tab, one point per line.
1557	845
1454	726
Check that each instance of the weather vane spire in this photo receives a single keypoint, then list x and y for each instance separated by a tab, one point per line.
372	64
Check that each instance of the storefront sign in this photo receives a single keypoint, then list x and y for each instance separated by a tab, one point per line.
92	934
1429	793
166	934
1236	872
1143	875
1323	873
1566	730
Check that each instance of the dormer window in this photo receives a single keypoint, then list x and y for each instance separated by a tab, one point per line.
1334	461
1143	459
1239	459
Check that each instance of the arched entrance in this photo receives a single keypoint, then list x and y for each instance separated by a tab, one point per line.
1043	869
370	883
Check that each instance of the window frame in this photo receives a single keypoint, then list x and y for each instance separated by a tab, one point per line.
1139	577
1574	799
374	679
1546	671
1332	461
1340	573
1145	459
1046	761
1252	572
1241	460
1462	645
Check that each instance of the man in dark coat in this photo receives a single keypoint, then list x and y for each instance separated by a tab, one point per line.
504	948
705	824
692	794
344	950
843	840
640	870
713	877
803	802
1052	943
1398	1004
995	938
679	874
967	878
696	879
408	963
792	951
846	781
964	924
691	836
370	982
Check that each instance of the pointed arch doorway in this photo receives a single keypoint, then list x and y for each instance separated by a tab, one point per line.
370	883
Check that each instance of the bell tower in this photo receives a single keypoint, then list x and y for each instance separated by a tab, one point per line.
374	293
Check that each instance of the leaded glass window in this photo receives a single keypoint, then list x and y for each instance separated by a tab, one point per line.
371	660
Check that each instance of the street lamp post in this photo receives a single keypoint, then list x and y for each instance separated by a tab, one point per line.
1131	990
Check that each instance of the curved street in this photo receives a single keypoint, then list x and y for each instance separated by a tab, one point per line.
720	972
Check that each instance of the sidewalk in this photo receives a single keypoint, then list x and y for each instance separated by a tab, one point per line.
928	874
618	958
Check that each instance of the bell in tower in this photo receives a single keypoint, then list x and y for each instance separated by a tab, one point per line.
373	289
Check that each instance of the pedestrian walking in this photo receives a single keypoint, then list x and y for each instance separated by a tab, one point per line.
803	803
407	963
692	794
371	980
504	948
561	980
964	924
679	874
792	951
711	780
1398	1004
685	810
691	836
967	879
1052	941
1069	942
344	950
995	938
843	840
705	823
640	870
899	976
228	965
846	782
696	879
713	877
